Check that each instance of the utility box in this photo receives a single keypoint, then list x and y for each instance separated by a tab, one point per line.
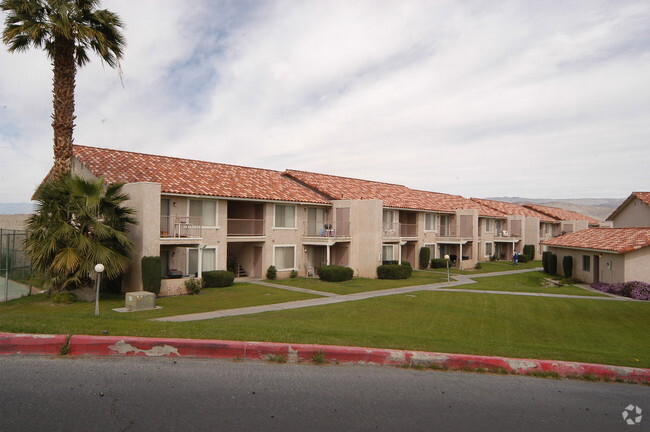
140	300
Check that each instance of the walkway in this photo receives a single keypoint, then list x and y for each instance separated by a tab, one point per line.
12	290
329	298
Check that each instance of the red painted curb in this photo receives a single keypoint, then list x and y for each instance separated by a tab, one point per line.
200	348
40	344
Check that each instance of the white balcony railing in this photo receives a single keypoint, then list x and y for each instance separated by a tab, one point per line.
180	227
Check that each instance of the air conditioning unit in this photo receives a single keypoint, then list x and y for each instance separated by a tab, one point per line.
140	300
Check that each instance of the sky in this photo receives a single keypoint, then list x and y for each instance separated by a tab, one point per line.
503	98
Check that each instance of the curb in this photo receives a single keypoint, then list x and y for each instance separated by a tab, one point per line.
80	345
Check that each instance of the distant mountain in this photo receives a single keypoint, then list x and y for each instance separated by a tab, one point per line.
598	208
17	208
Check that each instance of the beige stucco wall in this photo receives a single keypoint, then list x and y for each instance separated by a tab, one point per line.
634	214
637	265
366	234
611	265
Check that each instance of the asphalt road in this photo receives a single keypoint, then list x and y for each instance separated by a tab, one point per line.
164	394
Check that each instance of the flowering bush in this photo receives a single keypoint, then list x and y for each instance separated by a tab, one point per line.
634	289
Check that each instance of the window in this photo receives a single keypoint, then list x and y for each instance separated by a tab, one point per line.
432	248
488	225
445	225
315	221
204	209
285	216
387	253
489	249
429	222
586	263
209	260
284	257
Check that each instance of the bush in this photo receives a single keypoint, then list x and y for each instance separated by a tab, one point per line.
394	271
552	264
272	273
334	273
523	258
478	266
438	263
425	257
217	278
633	289
567	266
293	274
545	256
151	273
193	285
64	297
529	251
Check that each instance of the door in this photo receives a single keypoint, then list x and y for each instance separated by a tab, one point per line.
257	262
596	269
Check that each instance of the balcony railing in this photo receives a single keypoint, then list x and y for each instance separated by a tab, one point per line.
327	229
245	227
447	230
180	227
397	229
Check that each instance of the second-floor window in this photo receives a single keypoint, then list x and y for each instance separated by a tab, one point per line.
285	216
206	210
488	225
429	222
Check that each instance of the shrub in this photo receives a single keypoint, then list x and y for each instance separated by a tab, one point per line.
552	264
425	257
64	297
217	278
334	273
293	274
529	251
567	266
438	263
272	273
633	289
394	271
478	266
151	273
523	258
193	285
545	256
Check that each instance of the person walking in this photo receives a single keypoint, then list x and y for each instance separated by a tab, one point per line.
515	258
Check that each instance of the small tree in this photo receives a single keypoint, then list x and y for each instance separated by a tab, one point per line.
545	256
567	266
425	257
552	264
151	274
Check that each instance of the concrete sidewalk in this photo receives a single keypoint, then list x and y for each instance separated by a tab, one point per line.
329	298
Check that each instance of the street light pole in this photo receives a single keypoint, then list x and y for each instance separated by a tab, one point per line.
447	258
99	268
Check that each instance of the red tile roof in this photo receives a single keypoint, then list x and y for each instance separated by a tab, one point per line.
392	195
514	209
619	240
184	176
644	197
561	214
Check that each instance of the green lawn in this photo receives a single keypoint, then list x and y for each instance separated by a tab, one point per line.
493	266
526	282
362	284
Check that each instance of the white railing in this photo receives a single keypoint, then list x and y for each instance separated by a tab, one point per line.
180	227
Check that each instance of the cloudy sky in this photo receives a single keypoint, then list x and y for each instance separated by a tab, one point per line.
503	98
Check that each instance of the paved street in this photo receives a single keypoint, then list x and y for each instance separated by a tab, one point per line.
142	394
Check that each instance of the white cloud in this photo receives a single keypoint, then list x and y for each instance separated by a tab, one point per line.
529	99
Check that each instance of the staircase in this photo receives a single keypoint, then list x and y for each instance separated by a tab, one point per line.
235	266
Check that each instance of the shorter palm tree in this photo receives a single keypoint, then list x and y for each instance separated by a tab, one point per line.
79	223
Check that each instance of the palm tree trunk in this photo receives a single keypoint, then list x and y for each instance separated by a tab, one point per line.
63	101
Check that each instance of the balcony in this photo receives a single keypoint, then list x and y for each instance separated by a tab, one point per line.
396	229
180	227
334	229
245	227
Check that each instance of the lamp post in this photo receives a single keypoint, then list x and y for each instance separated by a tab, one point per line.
447	258
99	268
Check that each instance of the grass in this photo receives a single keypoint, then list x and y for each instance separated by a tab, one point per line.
493	266
594	331
357	285
526	282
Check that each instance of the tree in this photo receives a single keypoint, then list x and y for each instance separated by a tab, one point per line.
66	30
79	223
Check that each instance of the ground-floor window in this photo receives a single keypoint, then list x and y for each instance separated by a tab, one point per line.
586	263
489	249
387	253
209	260
284	257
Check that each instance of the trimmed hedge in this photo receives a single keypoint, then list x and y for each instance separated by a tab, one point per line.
425	257
394	271
523	258
567	266
529	251
151	273
438	263
334	273
545	256
217	278
552	264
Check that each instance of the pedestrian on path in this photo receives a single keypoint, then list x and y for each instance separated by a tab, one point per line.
515	258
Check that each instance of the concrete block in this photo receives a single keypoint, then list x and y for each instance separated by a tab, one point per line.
140	300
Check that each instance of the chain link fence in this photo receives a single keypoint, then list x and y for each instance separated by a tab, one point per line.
15	268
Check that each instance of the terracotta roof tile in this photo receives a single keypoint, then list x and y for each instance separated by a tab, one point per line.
561	214
514	209
193	177
619	240
392	195
643	196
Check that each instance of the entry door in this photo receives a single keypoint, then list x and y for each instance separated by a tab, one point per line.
596	268
257	262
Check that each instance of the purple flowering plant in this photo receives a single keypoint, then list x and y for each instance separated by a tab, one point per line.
634	289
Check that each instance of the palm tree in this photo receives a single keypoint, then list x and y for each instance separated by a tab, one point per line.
66	30
79	223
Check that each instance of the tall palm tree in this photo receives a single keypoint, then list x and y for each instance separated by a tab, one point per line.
66	30
79	223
